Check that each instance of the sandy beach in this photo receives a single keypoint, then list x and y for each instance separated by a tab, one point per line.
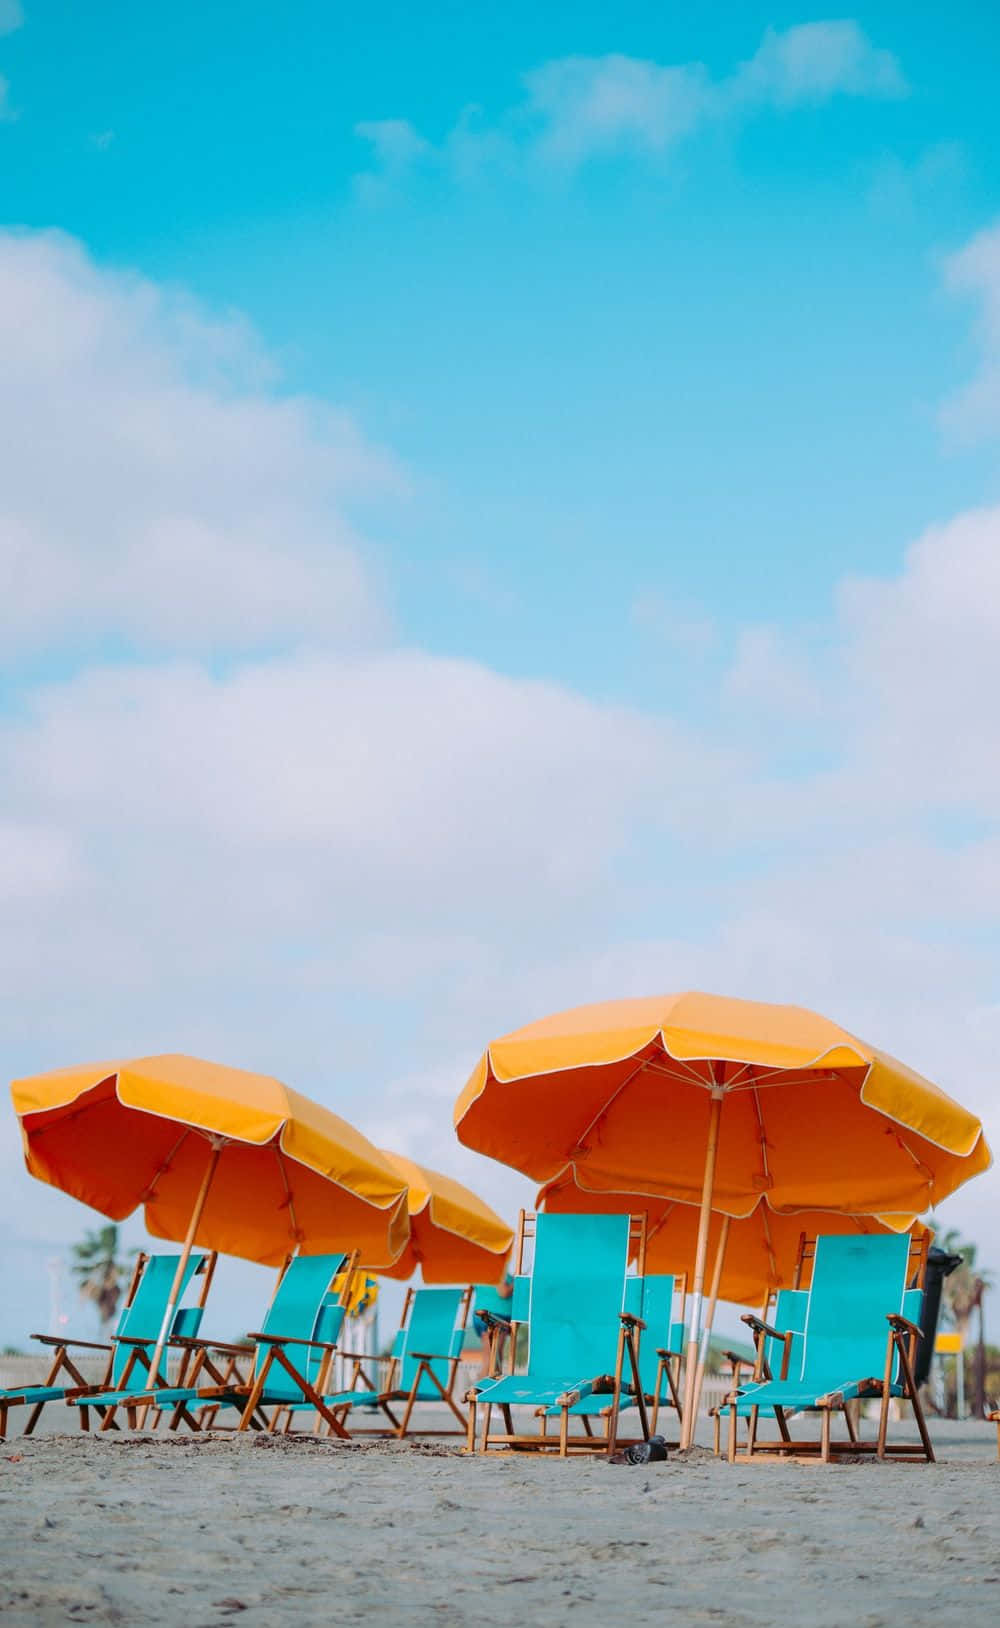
269	1531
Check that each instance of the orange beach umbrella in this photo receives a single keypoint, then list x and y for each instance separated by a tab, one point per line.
754	1255
217	1157
717	1102
454	1236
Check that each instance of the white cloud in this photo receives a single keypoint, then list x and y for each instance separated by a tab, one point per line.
576	107
355	866
154	486
588	104
812	62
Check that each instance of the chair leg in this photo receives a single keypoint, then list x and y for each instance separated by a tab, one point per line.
487	1416
752	1428
849	1421
564	1432
33	1418
824	1438
731	1454
3	1421
470	1429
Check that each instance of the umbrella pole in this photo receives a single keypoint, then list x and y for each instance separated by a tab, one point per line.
701	1252
713	1300
185	1256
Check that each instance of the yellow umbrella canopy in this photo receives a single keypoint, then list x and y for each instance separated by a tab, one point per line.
284	1174
760	1252
718	1101
454	1236
625	1093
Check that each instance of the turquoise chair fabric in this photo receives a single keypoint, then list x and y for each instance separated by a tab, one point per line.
433	1326
302	1309
142	1320
856	1283
788	1317
430	1327
650	1298
573	1298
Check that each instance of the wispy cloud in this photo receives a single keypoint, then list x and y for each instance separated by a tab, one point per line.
974	270
577	107
11	16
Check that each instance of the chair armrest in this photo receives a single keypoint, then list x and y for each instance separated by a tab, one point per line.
663	1353
364	1356
191	1342
59	1339
587	1387
629	1321
735	1358
431	1356
760	1327
490	1318
901	1325
288	1339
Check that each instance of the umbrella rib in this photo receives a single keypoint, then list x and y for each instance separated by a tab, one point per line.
680	1071
288	1195
579	1147
149	1191
765	1171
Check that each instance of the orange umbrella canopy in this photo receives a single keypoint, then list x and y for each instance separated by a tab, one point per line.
288	1173
762	1249
454	1236
624	1095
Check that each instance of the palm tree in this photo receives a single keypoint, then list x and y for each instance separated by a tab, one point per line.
100	1271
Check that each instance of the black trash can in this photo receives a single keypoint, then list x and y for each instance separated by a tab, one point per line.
939	1264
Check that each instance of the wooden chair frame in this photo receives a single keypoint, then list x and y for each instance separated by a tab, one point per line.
760	1369
901	1345
63	1363
231	1388
564	1444
361	1375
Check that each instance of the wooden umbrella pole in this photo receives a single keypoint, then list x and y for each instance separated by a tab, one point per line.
709	1319
701	1252
185	1256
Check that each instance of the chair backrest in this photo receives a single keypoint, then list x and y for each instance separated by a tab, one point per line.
791	1307
143	1318
857	1281
657	1314
302	1304
433	1323
576	1293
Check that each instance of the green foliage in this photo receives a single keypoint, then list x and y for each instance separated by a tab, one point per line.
100	1271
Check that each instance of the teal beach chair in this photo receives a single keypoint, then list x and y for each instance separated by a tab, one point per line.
660	1344
423	1362
129	1351
579	1332
291	1357
857	1342
774	1358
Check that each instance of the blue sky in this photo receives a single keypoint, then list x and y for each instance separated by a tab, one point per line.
469	477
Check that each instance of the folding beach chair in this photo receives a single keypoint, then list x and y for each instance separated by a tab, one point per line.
660	1343
579	1331
130	1349
857	1342
291	1357
423	1363
772	1355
